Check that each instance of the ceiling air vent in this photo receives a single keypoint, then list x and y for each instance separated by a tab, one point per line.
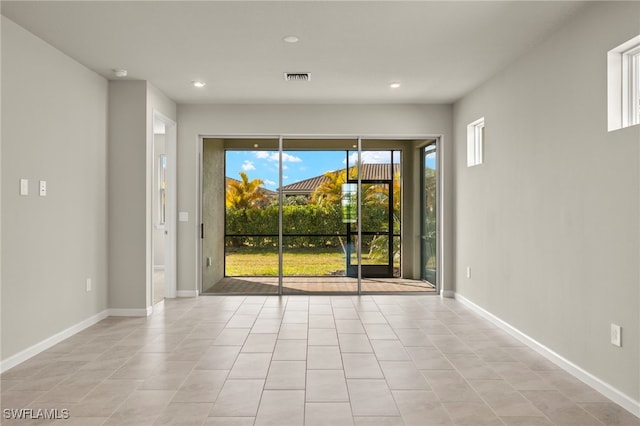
297	76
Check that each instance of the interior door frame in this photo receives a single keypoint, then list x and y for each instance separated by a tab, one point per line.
170	238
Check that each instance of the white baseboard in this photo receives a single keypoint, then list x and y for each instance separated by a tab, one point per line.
187	293
601	386
45	344
120	312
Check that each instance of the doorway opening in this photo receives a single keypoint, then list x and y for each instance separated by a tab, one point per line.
311	216
163	209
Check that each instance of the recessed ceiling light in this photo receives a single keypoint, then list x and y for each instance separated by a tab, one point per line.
291	39
394	85
198	83
120	73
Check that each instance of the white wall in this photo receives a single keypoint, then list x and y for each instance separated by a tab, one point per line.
549	224
54	116
356	120
127	194
131	106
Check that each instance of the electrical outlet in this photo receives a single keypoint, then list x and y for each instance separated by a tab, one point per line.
88	284
468	271
616	335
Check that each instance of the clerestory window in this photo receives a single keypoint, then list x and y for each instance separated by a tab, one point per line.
631	85
623	69
475	142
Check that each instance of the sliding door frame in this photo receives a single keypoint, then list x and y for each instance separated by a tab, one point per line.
281	138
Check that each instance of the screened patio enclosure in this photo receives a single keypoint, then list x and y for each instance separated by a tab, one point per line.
286	216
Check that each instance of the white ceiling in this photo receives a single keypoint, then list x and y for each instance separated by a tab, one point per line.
438	50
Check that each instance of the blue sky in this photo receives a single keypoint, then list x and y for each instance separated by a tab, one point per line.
297	165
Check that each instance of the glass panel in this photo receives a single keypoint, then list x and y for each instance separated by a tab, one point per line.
375	249
251	256
396	256
352	223
309	256
377	200
375	207
397	196
250	198
319	205
429	213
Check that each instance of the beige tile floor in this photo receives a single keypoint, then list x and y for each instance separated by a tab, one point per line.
303	360
310	285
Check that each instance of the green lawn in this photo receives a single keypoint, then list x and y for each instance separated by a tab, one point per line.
250	262
301	262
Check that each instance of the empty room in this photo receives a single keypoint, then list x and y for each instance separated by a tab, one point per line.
315	213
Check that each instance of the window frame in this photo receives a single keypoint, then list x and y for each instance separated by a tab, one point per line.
631	86
623	85
475	142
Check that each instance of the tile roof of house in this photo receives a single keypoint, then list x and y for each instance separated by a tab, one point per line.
307	185
370	171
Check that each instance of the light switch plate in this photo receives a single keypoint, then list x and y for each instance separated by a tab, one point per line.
183	216
24	187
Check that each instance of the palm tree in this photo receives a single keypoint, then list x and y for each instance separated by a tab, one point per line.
245	193
377	197
329	192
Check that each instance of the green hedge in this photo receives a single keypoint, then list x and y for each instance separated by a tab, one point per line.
296	219
310	219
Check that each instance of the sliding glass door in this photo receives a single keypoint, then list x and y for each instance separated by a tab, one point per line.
315	243
429	217
240	217
379	218
318	216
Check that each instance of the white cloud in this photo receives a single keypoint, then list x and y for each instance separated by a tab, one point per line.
268	182
261	154
285	177
290	158
371	157
285	167
273	156
248	165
